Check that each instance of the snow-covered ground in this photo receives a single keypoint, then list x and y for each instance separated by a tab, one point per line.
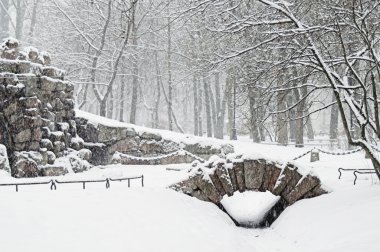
155	218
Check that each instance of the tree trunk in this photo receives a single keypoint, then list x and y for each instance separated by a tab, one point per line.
334	115
170	84
292	121
95	59
20	15
4	19
299	113
103	108
254	117
200	111
230	104
135	73
122	95
213	109
158	90
222	111
173	114
33	21
309	127
196	112
207	106
110	106
282	124
217	105
185	108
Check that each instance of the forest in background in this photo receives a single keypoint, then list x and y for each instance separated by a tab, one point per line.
280	71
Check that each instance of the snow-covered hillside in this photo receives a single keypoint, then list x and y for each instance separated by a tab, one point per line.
155	218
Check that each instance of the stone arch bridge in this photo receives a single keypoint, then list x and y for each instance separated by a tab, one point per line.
212	181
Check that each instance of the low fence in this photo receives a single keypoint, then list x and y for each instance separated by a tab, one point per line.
54	182
356	171
335	153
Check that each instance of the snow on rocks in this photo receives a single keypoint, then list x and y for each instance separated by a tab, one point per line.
217	178
4	162
36	109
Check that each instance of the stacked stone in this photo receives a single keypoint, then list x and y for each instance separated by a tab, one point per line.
177	157
216	179
37	105
105	140
58	108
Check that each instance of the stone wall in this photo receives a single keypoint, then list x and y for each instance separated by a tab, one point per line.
106	139
215	179
36	109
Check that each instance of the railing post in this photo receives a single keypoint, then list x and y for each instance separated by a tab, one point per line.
142	180
340	172
53	185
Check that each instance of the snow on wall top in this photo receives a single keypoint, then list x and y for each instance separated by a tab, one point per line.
165	134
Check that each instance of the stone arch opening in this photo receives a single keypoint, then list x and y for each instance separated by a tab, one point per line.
214	180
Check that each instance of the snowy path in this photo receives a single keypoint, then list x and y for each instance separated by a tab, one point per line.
115	220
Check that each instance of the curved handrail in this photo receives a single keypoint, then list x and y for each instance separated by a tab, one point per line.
351	169
361	172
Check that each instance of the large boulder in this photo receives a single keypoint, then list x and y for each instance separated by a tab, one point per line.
254	173
53	170
24	167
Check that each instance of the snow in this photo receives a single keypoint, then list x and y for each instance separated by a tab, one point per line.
342	218
130	220
154	218
4	162
249	208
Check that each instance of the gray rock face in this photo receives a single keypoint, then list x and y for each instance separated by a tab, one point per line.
239	173
53	170
36	108
23	136
150	147
253	174
306	185
85	154
224	179
25	168
139	144
51	157
107	133
79	165
151	136
126	145
206	187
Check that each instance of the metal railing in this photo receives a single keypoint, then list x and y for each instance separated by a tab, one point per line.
53	182
345	169
362	172
356	172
